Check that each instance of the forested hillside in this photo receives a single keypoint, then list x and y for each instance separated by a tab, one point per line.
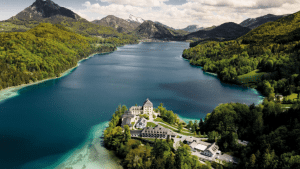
273	134
271	49
43	52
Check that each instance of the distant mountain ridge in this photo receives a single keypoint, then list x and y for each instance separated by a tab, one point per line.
119	24
255	22
168	27
149	29
225	31
192	28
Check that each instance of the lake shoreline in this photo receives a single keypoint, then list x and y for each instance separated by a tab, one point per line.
11	91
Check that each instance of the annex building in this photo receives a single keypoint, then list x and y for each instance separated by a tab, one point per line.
204	148
154	132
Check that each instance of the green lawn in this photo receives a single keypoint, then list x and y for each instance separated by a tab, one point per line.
292	96
132	123
251	77
158	119
150	124
161	120
186	134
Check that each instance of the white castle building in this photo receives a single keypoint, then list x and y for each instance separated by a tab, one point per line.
147	108
130	116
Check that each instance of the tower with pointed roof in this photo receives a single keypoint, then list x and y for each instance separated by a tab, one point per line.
148	107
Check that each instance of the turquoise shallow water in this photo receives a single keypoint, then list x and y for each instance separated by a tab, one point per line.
44	124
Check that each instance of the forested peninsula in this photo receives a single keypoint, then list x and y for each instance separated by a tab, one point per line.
46	51
161	154
266	58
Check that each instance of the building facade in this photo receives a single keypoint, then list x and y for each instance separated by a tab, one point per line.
127	119
130	116
211	150
154	132
141	123
147	108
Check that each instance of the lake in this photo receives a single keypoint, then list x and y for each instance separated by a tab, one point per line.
45	123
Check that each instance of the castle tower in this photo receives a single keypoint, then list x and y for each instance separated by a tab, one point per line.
148	107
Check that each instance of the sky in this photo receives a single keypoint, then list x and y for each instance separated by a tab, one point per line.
175	13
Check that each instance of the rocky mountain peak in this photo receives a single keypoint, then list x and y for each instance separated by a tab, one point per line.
41	9
135	19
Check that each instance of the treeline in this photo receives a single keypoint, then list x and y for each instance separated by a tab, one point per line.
273	134
272	48
136	155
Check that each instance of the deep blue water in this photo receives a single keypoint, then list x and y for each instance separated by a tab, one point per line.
54	117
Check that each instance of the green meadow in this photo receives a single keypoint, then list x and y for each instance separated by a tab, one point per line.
251	77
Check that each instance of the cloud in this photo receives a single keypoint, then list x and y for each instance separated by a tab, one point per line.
245	3
204	13
273	3
144	3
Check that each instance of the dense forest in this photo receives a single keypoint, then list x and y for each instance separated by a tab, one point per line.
273	134
46	51
272	49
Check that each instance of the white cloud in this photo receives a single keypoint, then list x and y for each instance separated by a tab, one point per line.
202	12
144	3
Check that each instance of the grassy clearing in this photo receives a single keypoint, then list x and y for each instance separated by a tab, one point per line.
160	120
251	77
150	124
186	134
293	96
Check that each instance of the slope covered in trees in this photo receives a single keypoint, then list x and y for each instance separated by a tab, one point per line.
273	134
43	52
272	47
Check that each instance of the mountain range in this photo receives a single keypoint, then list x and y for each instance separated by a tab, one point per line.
48	11
225	31
119	24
